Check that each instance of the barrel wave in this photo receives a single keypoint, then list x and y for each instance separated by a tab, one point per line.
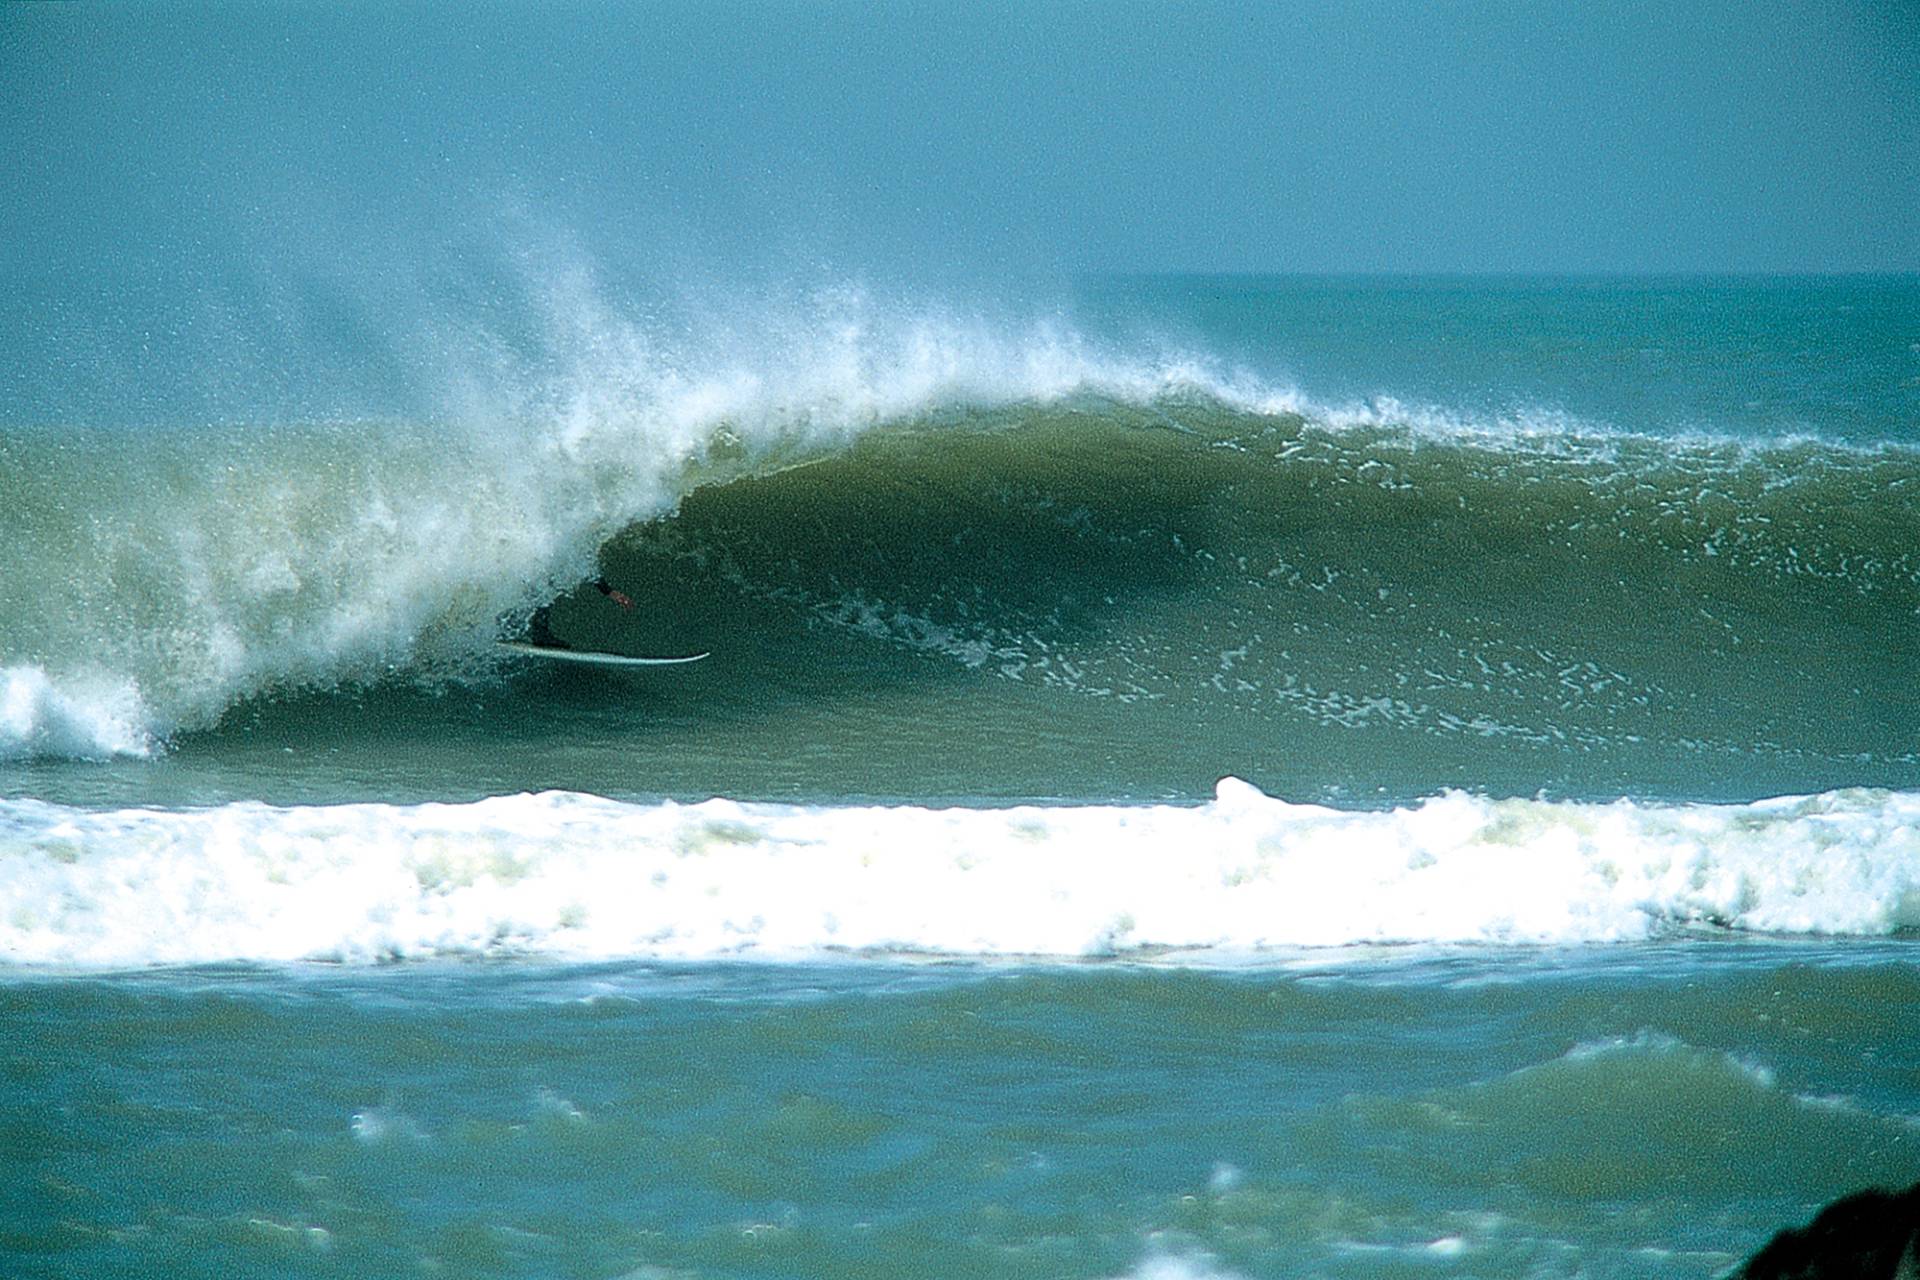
161	573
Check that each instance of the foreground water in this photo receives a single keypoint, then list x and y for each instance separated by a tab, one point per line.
1561	1113
1230	778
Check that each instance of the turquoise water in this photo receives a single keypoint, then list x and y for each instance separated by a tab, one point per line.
1575	1113
1211	777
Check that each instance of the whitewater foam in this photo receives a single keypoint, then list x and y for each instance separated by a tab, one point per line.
577	876
90	718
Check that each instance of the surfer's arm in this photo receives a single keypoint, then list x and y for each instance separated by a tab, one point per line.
607	589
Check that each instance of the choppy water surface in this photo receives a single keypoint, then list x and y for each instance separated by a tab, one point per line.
1598	1112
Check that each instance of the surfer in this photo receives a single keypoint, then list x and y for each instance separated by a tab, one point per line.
541	635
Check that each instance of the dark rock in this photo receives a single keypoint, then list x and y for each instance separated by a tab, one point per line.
1874	1235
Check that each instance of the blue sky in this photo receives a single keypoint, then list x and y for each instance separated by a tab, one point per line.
981	139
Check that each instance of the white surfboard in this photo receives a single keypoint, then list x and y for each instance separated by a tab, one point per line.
590	658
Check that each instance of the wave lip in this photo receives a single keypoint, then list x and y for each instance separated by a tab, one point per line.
576	876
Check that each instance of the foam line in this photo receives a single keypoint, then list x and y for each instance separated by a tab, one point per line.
572	875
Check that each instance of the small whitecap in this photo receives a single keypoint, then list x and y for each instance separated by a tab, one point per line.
553	1106
379	1125
1225	1178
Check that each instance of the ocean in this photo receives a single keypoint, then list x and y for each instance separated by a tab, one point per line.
1213	776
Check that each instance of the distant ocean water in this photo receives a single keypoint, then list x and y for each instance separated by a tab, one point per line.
1230	776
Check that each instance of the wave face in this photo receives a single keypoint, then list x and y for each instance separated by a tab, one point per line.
1263	585
1003	540
586	878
